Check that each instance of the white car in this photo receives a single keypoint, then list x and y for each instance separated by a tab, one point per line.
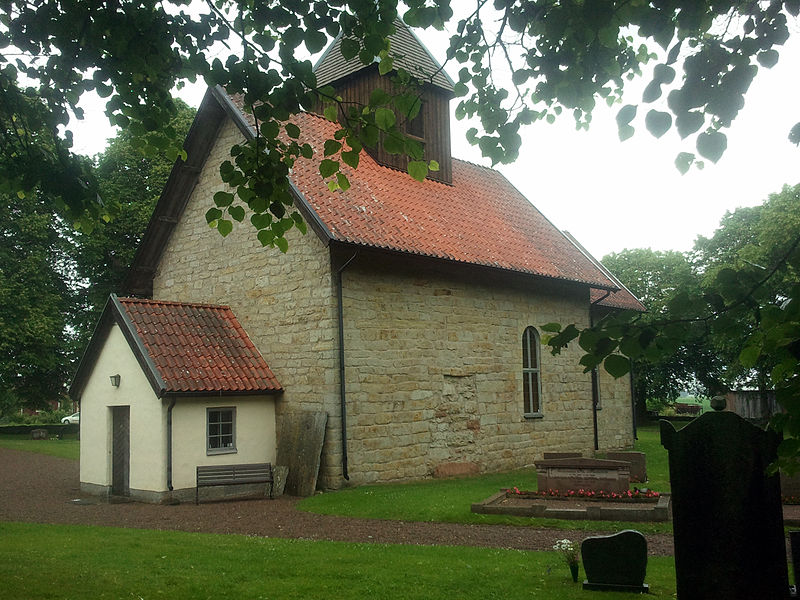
76	418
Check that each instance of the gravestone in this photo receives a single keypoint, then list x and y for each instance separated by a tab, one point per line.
590	474
300	437
615	562
727	516
638	462
39	434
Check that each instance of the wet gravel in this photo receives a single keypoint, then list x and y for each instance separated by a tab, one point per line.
44	489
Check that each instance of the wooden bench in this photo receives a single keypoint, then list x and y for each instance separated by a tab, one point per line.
213	475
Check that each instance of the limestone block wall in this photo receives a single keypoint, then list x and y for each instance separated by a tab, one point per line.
285	302
615	418
434	374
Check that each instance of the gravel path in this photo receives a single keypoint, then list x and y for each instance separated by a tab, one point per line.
44	489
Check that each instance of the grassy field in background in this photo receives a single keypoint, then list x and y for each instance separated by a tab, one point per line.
77	562
449	500
66	448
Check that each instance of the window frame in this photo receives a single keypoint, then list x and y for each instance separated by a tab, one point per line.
531	373
232	449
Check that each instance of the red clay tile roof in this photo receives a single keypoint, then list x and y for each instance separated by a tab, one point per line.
199	347
480	219
620	299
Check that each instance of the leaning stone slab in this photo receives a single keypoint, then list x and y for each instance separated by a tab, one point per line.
300	437
591	474
615	562
279	475
638	462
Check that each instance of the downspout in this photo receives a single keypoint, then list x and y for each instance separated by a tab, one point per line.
169	443
342	386
595	398
633	404
595	381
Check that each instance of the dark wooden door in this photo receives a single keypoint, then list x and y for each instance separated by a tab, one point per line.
120	450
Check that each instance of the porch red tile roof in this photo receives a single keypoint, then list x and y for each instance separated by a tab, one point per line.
199	348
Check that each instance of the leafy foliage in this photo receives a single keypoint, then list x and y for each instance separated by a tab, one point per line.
563	58
731	317
130	184
656	278
35	303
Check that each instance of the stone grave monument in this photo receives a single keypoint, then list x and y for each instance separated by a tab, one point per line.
591	474
727	516
615	562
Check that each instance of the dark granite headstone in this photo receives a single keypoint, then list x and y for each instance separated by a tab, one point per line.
615	562
727	517
300	437
638	462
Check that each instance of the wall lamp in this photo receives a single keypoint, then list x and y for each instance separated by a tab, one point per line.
115	379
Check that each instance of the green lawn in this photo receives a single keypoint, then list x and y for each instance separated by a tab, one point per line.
649	442
449	500
49	561
66	448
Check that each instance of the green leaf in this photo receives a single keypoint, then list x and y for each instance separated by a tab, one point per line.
626	114
418	169
385	118
625	132
212	215
223	199
750	354
768	58
350	48
379	97
332	147
652	92
433	166
689	122
551	327
351	158
683	161
236	213
282	244
794	135
266	237
460	89
657	122
224	227
393	144
292	130
343	181
712	145
328	167
331	112
315	40
386	65
617	365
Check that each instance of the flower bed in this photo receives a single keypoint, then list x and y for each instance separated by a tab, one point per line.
635	495
578	504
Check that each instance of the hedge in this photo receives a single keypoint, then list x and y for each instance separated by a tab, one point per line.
52	428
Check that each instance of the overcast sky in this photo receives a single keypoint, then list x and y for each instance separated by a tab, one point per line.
613	195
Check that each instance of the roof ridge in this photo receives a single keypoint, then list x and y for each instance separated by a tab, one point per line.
173	303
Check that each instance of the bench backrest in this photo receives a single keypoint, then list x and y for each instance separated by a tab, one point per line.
230	474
